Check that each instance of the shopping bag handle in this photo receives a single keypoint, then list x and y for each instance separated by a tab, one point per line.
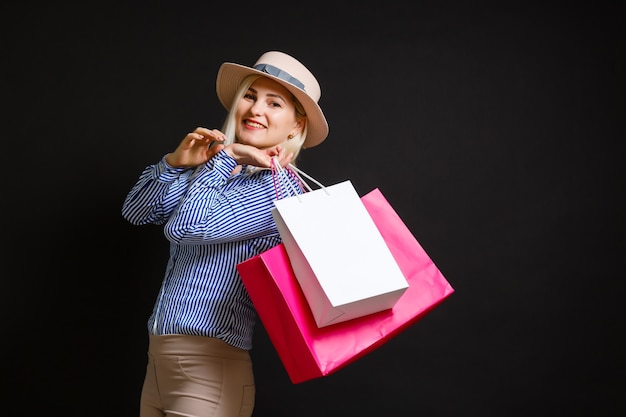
279	171
299	172
280	175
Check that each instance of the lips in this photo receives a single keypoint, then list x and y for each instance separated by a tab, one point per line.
254	124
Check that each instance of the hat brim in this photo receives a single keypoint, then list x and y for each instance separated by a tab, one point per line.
229	78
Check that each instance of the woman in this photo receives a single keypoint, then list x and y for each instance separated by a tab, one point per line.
214	193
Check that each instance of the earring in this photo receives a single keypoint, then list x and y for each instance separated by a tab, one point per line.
290	136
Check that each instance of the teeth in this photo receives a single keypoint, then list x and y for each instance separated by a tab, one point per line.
253	124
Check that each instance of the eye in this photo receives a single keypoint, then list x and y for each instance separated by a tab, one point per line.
275	104
248	96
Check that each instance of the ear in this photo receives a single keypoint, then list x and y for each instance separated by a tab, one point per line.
298	126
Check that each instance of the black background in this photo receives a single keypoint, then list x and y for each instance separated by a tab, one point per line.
494	129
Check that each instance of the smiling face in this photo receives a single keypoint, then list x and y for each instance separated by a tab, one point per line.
266	115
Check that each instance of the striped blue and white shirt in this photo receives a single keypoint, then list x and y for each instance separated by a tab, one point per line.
213	220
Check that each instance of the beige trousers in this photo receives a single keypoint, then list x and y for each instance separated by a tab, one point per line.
196	376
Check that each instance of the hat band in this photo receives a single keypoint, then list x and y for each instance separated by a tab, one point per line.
278	73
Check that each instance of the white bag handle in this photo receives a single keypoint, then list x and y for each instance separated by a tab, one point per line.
299	172
281	172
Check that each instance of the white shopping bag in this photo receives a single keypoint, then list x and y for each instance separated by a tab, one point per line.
339	257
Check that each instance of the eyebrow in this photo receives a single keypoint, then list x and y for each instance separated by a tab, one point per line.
269	94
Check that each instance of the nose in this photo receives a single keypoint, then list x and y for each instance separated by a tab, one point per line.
256	108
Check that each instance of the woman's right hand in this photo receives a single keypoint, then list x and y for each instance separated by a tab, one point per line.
250	155
196	148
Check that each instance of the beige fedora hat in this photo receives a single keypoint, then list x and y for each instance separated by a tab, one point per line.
290	73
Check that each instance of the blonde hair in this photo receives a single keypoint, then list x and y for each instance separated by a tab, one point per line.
293	145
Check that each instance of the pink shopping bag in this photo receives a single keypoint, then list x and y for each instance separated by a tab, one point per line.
308	351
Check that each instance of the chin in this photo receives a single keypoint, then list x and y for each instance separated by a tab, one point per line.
247	139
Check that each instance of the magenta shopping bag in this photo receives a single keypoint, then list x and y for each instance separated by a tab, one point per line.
308	351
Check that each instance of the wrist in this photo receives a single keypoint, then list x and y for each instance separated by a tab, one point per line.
171	161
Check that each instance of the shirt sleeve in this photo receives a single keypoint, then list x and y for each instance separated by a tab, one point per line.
156	193
218	208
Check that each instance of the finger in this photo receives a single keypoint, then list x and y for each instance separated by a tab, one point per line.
287	159
214	150
202	130
191	139
217	135
195	135
276	151
211	135
267	162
